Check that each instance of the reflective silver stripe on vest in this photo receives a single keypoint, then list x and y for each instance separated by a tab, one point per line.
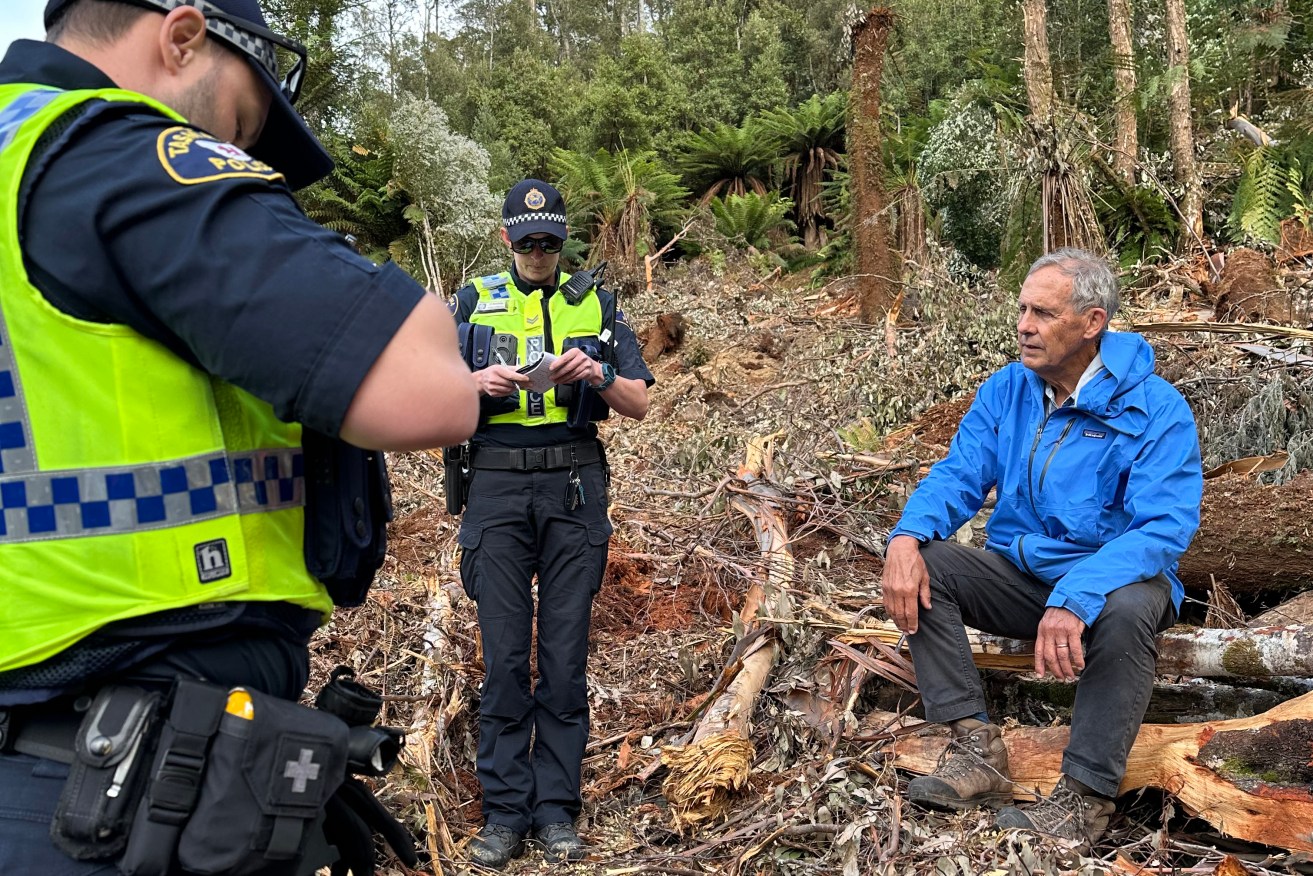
105	501
16	453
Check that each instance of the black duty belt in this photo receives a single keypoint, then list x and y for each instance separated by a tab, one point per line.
536	458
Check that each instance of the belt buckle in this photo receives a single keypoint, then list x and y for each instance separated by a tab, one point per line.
535	458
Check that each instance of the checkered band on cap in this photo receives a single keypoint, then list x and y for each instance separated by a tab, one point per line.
533	217
260	49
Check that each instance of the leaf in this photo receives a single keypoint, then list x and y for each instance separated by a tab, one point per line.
623	756
1250	465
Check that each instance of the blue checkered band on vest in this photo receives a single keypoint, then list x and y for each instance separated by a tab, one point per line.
69	504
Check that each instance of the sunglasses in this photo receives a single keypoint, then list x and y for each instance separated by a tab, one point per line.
246	38
549	245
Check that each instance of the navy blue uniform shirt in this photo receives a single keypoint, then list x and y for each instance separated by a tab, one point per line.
228	273
629	364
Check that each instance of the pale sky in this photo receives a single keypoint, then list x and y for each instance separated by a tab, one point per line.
20	19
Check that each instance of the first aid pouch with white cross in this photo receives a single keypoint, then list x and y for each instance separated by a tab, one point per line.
240	784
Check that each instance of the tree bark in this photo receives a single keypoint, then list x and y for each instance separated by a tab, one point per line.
1126	141
1248	777
1252	537
1181	126
878	281
1182	650
1037	69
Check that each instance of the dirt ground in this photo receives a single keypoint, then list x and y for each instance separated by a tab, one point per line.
753	358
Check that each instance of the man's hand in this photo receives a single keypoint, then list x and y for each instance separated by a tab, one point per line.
497	381
574	364
1058	644
906	582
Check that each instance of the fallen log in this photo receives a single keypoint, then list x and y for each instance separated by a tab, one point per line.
1293	611
715	762
1248	777
1182	650
1252	537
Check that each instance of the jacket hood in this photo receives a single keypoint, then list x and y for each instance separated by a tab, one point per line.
1118	398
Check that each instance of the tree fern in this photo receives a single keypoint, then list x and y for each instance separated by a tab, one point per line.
725	160
748	220
811	141
1256	210
621	201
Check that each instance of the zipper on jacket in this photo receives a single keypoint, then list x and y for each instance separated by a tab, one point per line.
1030	464
1054	452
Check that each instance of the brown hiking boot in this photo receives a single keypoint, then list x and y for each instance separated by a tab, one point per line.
972	771
1073	812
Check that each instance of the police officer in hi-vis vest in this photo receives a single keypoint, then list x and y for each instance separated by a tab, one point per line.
169	321
537	499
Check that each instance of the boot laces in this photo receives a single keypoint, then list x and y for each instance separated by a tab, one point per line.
962	756
1062	813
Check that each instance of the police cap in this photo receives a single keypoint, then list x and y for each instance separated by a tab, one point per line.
286	142
533	207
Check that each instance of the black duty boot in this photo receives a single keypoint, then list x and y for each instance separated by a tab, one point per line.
560	843
973	770
495	846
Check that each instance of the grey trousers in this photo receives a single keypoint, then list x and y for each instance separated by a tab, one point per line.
971	587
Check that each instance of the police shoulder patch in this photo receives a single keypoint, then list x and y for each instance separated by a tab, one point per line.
191	156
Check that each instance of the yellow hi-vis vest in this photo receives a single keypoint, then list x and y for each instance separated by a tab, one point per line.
130	481
509	310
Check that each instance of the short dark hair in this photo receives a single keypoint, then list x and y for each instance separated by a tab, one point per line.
96	21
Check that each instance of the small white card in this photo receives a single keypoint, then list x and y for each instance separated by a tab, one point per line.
538	371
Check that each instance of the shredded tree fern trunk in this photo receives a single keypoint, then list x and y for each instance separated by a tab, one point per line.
706	772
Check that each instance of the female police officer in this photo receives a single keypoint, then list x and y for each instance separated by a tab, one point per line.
537	506
166	314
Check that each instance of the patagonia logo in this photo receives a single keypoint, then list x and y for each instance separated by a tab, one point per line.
212	560
1094	433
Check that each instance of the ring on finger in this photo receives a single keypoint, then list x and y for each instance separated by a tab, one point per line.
1063	645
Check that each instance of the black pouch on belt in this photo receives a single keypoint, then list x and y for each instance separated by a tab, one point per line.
455	476
111	760
271	769
238	786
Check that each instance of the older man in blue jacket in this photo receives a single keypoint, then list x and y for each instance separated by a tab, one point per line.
1095	460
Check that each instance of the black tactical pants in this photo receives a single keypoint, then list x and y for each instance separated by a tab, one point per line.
984	590
531	744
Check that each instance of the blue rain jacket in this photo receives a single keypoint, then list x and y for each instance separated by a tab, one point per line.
1092	497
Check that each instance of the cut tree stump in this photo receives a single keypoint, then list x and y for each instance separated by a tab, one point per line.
1249	777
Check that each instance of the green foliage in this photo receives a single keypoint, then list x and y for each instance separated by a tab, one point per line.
749	220
1141	225
724	158
1257	208
358	198
634	98
731	65
810	140
622	201
963	180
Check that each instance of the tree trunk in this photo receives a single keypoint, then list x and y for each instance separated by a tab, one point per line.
1182	130
705	773
1248	777
1126	141
871	231
1037	68
1182	650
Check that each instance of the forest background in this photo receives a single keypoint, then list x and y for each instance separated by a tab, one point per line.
733	118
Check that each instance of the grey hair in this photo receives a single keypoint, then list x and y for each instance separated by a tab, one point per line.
1093	284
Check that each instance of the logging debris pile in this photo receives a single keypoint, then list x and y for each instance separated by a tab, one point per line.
749	510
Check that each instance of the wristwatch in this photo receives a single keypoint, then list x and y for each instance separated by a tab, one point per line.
608	378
